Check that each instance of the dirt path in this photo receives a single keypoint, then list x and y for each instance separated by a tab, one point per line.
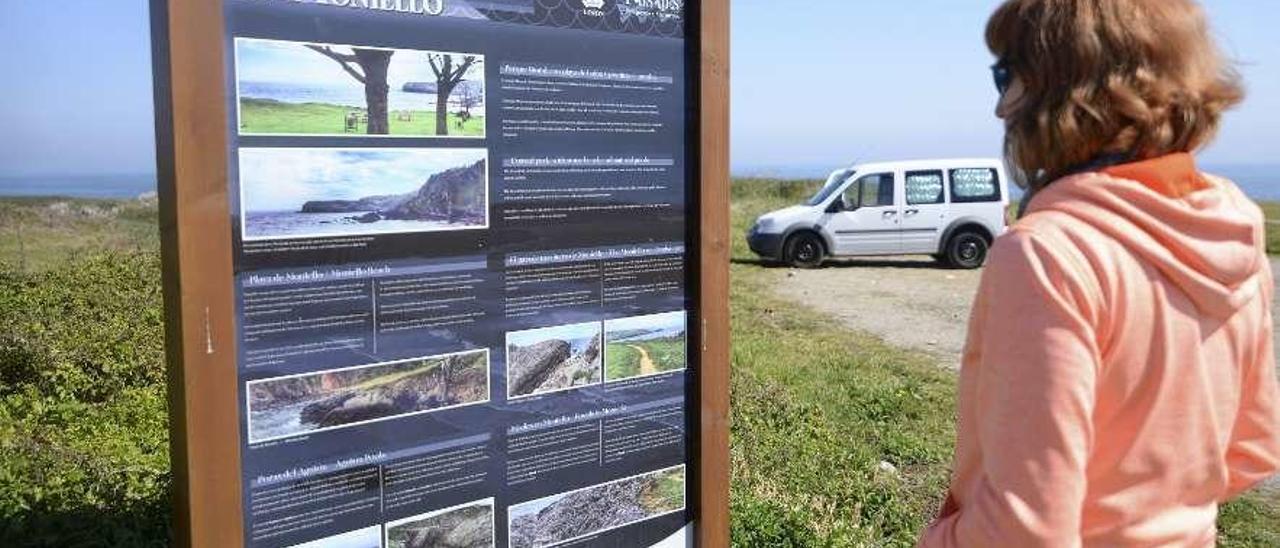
647	367
908	301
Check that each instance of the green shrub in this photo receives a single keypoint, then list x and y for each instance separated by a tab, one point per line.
778	192
83	419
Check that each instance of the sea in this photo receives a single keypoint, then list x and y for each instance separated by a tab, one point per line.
79	186
279	421
270	224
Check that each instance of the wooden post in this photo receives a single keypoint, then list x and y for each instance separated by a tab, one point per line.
713	250
191	135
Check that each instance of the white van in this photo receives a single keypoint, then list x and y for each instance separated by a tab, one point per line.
951	209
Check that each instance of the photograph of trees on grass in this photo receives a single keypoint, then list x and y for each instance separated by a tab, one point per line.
467	526
553	359
644	345
300	404
294	88
567	516
300	193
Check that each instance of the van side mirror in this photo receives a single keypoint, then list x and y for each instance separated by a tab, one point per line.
837	205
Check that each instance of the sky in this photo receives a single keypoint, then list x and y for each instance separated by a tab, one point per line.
291	62
879	81
815	85
579	334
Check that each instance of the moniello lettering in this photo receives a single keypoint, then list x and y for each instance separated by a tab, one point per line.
416	7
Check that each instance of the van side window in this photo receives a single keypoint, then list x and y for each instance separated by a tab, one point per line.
924	187
870	191
975	185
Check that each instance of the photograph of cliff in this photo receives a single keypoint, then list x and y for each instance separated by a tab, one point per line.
553	359
576	514
296	405
468	526
296	88
644	345
302	193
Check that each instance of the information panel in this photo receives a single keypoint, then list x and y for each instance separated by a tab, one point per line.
461	261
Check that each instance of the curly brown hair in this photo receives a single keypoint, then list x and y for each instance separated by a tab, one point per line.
1133	78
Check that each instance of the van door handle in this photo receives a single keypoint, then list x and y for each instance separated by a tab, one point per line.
913	211
888	213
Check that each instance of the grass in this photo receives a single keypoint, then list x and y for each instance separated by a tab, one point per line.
40	233
276	117
666	494
1272	211
623	359
839	439
818	408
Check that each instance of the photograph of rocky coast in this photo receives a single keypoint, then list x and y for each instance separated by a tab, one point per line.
576	514
300	193
467	526
553	359
301	404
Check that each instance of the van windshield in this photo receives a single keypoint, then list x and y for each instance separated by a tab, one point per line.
833	184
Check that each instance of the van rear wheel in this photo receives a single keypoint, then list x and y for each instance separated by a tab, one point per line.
804	250
967	250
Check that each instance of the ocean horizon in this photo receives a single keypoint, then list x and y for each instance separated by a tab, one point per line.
111	186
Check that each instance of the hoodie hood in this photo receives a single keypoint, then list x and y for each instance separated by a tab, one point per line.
1201	232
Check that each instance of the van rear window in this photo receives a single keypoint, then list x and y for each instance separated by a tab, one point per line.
970	185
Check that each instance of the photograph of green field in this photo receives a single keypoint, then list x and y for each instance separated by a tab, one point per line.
644	346
295	88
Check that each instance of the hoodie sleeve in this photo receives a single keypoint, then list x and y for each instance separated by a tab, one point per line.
1038	363
1254	453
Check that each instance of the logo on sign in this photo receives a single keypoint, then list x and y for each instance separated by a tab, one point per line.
593	8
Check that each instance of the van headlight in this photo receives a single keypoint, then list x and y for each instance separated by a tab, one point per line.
764	225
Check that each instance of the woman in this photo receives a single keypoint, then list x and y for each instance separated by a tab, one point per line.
1119	381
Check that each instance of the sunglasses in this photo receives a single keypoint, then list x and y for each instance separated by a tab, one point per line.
1002	75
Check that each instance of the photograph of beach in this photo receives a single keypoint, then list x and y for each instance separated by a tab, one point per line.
297	88
467	526
369	537
301	193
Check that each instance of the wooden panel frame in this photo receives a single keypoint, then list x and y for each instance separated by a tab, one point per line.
713	245
192	170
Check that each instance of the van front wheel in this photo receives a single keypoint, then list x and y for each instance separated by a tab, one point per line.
967	250
804	250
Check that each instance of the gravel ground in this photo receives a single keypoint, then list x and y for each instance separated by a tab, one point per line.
910	302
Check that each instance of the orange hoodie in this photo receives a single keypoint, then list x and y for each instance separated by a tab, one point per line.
1119	380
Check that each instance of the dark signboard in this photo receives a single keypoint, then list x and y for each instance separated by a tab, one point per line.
463	272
